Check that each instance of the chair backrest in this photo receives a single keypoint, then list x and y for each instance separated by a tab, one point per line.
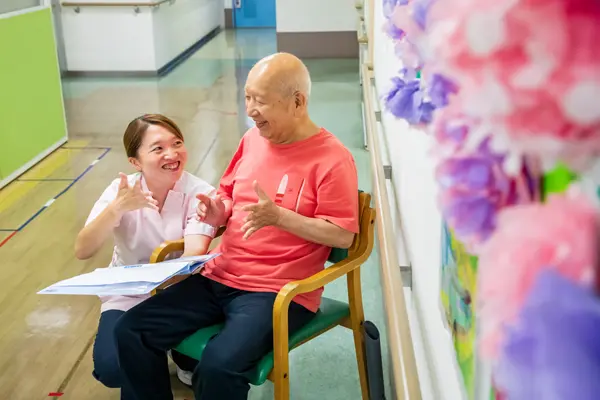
337	255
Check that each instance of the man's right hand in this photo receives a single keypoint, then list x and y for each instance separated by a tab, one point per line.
211	211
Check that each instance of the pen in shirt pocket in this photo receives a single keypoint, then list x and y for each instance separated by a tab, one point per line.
281	190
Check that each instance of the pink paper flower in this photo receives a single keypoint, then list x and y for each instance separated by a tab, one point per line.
535	81
560	233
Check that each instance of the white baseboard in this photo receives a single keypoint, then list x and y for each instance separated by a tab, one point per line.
32	162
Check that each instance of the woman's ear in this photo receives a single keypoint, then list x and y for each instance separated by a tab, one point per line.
135	163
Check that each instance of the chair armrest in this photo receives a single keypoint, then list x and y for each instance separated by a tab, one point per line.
359	253
321	278
161	252
171	246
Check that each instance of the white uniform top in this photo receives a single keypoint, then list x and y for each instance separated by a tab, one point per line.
139	232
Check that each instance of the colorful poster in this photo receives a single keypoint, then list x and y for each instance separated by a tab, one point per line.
458	295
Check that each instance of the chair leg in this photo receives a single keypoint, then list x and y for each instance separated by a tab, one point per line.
357	317
282	386
281	357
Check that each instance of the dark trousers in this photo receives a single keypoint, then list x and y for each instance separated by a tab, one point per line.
161	322
106	361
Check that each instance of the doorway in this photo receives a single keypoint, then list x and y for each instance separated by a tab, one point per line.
254	14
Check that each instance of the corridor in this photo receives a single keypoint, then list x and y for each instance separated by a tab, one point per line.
46	340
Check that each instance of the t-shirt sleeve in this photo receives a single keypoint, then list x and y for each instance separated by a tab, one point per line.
109	194
337	196
228	178
193	226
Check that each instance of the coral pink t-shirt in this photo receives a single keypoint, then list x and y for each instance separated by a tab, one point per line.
315	177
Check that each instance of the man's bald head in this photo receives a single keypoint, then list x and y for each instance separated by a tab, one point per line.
277	91
283	73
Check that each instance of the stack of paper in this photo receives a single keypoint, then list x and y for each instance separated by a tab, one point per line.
128	279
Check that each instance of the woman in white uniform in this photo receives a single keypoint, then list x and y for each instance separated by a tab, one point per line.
140	211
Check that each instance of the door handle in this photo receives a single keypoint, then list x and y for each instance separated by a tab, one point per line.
238	3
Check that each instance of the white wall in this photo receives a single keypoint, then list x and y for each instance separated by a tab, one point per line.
415	190
227	3
316	15
118	39
108	39
180	26
7	6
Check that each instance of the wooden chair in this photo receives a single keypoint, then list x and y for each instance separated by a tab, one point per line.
275	365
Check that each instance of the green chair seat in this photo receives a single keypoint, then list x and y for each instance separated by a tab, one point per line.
330	313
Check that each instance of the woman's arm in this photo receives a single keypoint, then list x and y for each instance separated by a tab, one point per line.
93	235
196	245
116	200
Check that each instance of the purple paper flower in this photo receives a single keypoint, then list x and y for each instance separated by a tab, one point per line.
405	100
390	5
553	350
451	133
474	188
439	88
393	31
420	8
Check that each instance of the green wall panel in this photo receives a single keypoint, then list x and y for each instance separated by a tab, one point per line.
31	105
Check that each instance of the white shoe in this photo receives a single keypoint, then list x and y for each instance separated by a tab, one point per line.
184	376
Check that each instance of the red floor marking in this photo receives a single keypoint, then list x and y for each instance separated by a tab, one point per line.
53	394
2	243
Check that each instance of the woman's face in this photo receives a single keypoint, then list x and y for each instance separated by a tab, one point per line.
161	157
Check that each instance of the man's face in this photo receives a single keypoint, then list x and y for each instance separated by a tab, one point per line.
273	114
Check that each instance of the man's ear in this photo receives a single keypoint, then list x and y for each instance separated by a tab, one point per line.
135	163
300	99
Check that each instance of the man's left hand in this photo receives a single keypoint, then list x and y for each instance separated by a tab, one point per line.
263	213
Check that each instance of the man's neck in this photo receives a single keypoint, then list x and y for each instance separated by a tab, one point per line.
304	131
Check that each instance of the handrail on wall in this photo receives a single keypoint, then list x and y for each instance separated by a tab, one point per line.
136	5
404	365
398	327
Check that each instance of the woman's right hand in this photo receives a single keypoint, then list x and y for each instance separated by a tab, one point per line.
130	198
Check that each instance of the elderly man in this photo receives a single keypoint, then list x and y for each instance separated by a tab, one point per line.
288	195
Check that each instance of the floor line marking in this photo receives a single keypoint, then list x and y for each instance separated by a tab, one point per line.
71	373
6	239
45	180
53	199
83	148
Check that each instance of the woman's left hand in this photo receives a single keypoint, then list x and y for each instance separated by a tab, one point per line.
263	213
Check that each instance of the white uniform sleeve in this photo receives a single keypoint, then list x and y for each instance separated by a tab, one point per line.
109	194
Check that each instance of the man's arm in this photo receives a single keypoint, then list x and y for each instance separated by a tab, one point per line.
315	230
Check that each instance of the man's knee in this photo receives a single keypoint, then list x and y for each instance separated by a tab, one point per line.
218	363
